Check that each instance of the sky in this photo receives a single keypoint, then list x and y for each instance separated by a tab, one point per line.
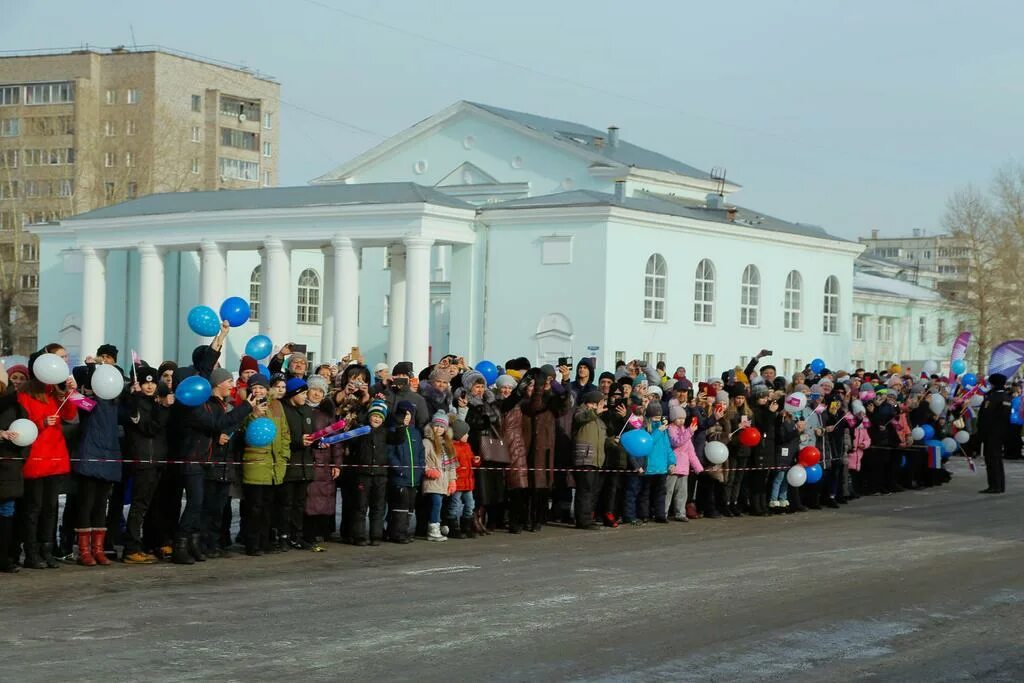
852	116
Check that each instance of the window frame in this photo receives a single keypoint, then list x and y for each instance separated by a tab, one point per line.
307	311
255	291
655	281
830	306
792	315
704	292
750	297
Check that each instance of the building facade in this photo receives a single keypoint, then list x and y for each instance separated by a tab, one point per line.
941	260
86	129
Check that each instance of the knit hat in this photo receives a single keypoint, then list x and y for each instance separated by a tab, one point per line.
402	368
379	367
654	409
405	407
248	363
640	380
548	370
294	387
459	429
592	397
685	385
606	375
317	382
219	376
440	419
625	381
654	390
759	390
506	381
145	374
378	407
107	350
258	380
472	377
676	411
23	369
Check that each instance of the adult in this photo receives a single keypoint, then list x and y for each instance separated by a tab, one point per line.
291	363
399	390
993	427
12	484
589	435
300	464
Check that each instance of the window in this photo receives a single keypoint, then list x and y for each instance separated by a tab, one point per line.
750	296
109	190
649	358
387	309
798	365
884	329
660	358
654	288
29	252
254	287
110	97
830	318
922	329
792	301
133	96
267	121
50	125
309	298
787	367
37	188
109	129
109	159
8	128
709	366
858	327
195	164
9	190
232	106
940	332
197	103
130	127
8	158
696	371
66	188
620	355
239	170
196	135
704	293
7	219
10	94
266	179
133	189
30	281
129	159
50	93
266	149
240	139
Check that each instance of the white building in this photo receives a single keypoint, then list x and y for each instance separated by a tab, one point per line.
480	231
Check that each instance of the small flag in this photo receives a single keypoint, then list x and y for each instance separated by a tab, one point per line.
135	358
934	457
83	402
970	465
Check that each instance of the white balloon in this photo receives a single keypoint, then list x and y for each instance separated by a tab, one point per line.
796	402
50	368
930	367
917	434
796	476
949	445
716	452
107	382
936	403
25	432
857	406
962	437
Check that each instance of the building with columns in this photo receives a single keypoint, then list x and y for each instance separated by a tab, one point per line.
479	231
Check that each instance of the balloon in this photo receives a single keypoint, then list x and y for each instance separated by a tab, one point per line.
637	443
917	433
260	432
716	452
929	432
969	380
50	368
813	474
345	436
235	310
949	446
930	367
867	395
203	321
750	436
796	476
857	406
193	391
259	347
107	382
962	437
25	432
264	370
795	402
958	366
809	456
937	404
817	365
489	370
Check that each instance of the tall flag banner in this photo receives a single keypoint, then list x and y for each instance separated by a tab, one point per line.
1007	358
960	344
934	457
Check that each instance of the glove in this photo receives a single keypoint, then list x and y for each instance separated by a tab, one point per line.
451	488
432	474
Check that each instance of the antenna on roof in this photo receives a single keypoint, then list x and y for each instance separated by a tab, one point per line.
718	175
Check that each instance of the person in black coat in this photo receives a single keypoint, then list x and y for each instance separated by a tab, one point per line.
993	428
763	455
369	455
12	457
300	465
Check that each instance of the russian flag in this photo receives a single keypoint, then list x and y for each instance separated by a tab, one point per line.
934	457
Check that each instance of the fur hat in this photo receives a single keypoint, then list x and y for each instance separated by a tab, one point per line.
759	390
402	368
472	377
145	374
737	390
107	350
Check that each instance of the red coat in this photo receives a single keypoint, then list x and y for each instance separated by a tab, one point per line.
464	476
48	456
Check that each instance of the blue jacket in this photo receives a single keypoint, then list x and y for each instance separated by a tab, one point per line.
99	453
661	455
405	456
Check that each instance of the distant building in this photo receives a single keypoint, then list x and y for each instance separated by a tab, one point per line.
83	129
942	259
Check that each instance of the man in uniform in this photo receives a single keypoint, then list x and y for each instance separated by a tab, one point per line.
993	425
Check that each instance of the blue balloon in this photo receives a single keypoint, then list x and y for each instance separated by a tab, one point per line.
203	321
235	310
969	380
1015	416
264	370
958	366
489	370
345	436
929	432
261	432
193	391
259	347
637	443
817	365
814	473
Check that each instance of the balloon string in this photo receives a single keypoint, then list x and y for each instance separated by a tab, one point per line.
57	414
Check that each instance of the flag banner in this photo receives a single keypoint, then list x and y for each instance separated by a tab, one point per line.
1007	358
934	457
960	344
83	402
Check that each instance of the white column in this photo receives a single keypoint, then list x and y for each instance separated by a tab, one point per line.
328	316
151	304
275	292
94	299
396	306
346	295
213	274
417	300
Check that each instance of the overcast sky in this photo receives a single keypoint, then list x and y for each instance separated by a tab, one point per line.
850	115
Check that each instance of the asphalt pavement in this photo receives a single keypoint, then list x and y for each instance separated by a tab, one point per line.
918	586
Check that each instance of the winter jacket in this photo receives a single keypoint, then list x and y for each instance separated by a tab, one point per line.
405	456
267	465
661	456
12	457
436	400
789	441
681	440
589	436
300	423
145	431
322	492
200	441
764	453
514	435
483	417
738	453
394	397
99	454
465	457
48	456
369	454
442	461
542	410
861	442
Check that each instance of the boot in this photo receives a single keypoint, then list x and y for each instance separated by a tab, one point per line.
434	532
282	543
46	552
195	547
467	528
98	552
454	530
478	522
181	554
85	557
32	558
7	565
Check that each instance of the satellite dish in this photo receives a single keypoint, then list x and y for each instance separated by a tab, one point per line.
242	117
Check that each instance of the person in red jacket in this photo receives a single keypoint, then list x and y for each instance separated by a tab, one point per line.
461	526
47	463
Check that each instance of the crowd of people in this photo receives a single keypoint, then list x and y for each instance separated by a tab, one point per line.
446	452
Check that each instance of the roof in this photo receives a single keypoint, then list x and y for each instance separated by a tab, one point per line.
671	206
276	198
888	286
577	133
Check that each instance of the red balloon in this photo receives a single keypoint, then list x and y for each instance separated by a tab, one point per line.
809	456
750	436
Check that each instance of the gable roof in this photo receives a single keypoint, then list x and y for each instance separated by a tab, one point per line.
276	198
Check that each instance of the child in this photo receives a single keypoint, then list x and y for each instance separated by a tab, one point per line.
661	463
461	526
440	470
405	460
680	436
369	456
790	432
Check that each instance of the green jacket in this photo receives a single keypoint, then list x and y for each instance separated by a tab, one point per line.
267	465
589	434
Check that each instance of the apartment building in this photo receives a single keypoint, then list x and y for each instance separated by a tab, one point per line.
941	259
86	128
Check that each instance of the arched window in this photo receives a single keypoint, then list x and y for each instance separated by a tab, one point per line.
654	288
750	296
830	321
309	298
254	293
791	304
704	293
